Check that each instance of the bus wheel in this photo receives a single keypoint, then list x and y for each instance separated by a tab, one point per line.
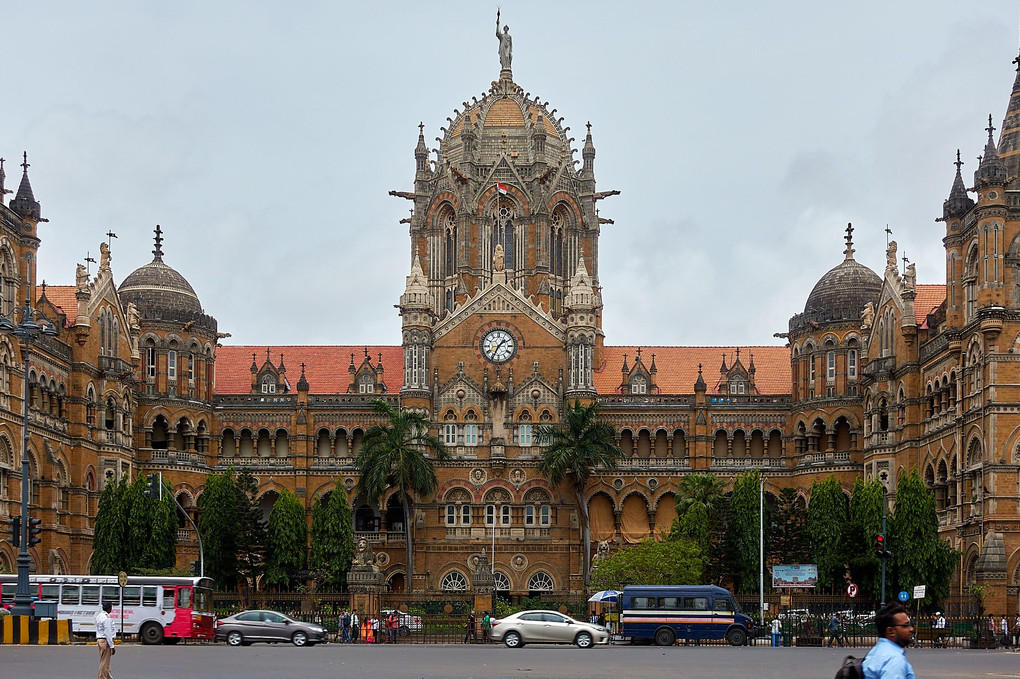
152	633
664	637
736	637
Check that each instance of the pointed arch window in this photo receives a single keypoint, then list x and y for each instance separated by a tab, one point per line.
556	229
503	231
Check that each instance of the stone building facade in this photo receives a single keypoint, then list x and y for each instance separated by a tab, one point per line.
501	327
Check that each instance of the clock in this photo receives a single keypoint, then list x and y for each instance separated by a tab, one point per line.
499	345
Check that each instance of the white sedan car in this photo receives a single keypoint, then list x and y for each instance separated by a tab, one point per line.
546	627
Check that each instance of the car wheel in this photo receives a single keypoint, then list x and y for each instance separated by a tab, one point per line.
512	640
299	638
664	636
152	633
404	631
736	637
235	639
584	640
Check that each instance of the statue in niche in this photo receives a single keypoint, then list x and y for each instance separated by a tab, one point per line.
498	258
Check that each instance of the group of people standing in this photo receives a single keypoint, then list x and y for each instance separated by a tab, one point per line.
373	629
471	628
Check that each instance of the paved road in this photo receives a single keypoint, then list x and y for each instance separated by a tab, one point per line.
484	662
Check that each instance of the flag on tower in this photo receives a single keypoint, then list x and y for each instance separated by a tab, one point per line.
501	188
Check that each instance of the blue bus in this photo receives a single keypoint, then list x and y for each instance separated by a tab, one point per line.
665	613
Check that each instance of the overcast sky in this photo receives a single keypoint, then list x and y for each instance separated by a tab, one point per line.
264	136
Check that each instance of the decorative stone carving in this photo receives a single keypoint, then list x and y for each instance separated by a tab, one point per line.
518	562
382	559
868	316
478	476
517	477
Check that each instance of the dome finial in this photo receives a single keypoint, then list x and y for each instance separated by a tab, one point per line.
849	252
990	128
157	253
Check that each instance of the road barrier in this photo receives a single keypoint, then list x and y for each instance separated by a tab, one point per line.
24	629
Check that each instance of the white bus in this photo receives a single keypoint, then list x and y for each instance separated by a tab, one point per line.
157	609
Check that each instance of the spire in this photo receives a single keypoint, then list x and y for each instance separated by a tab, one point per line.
282	368
652	369
625	370
157	252
302	383
849	252
958	202
991	170
699	385
254	365
24	203
351	368
588	154
1009	138
751	367
723	369
421	151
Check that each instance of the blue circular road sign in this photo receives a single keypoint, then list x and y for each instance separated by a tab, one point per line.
904	596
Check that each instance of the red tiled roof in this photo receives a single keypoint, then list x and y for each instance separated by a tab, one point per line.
678	367
62	297
929	297
325	367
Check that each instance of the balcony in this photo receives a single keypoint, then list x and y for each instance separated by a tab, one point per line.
183	535
253	462
814	459
165	456
389	537
748	463
654	463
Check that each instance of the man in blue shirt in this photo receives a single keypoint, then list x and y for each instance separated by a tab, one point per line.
887	659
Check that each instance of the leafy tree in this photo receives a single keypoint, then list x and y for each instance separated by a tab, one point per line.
110	536
651	562
865	523
701	513
251	529
397	455
827	520
921	557
742	531
332	539
574	450
218	524
790	543
287	546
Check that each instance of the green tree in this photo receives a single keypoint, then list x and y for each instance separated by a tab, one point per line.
865	523
218	523
742	531
251	530
651	562
399	454
109	539
827	520
332	539
287	546
701	513
789	543
573	450
920	556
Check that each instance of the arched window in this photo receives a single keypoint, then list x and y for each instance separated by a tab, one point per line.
454	581
556	230
639	385
541	582
500	581
449	225
503	231
268	385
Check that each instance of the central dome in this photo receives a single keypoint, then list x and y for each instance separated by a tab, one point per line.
159	286
843	292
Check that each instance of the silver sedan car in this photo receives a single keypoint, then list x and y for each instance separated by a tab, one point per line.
241	629
546	627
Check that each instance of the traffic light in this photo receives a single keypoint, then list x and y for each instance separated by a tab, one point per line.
15	538
881	547
150	487
34	529
196	569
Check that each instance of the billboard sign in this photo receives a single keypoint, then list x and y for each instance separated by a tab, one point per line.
798	575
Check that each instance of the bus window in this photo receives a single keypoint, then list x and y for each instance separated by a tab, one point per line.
90	595
149	596
670	602
723	605
69	595
643	602
184	597
132	595
111	593
168	598
49	592
695	603
203	600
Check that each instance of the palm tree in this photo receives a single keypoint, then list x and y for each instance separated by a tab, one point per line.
700	503
397	455
575	449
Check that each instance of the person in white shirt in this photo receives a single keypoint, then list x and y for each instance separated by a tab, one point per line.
776	629
104	639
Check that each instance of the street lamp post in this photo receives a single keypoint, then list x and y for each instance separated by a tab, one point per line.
27	330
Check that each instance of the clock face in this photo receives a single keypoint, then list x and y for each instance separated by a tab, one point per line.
499	345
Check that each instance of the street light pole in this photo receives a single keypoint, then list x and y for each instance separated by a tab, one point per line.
27	330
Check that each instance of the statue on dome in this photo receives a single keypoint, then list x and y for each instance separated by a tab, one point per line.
498	258
506	45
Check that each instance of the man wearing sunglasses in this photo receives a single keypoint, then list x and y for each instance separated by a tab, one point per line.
887	659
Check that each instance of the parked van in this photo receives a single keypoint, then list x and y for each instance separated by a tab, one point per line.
665	613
